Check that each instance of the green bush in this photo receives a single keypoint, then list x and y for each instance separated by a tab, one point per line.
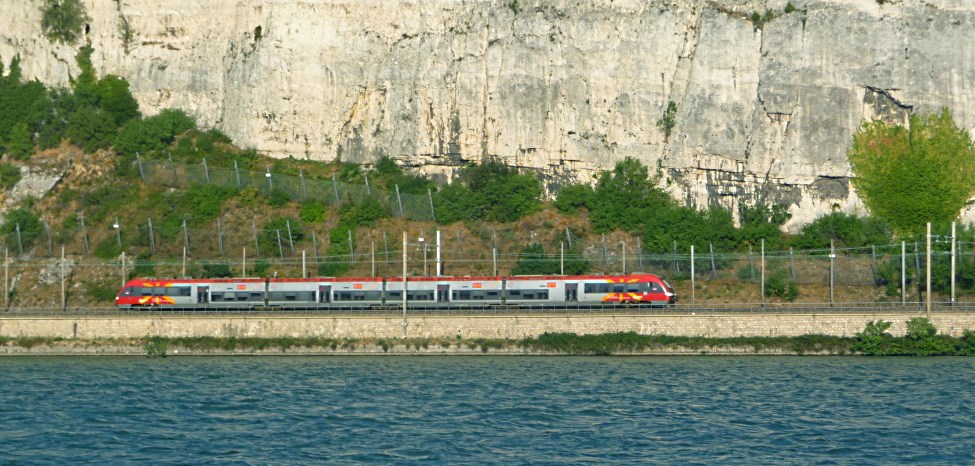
844	230
279	197
920	328
490	191
107	248
91	128
313	211
63	20
216	270
152	133
30	225
145	267
115	98
533	261
9	175
780	285
573	197
100	292
280	224
667	122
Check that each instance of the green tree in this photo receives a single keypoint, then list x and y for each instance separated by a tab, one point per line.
910	176
533	261
114	97
27	221
91	128
19	144
844	230
573	197
625	197
63	20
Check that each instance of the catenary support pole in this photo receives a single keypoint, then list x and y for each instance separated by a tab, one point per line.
243	262
693	281
927	284
832	258
64	296
439	269
561	257
763	272
953	233
404	285
903	273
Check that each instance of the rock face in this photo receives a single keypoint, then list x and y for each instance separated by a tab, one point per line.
765	108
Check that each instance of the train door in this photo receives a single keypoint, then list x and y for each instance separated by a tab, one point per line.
203	294
572	292
324	294
443	293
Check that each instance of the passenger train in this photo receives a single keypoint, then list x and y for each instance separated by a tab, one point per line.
540	291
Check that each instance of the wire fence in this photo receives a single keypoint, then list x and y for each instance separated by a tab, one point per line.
238	246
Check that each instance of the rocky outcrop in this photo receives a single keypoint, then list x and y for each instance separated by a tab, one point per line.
765	107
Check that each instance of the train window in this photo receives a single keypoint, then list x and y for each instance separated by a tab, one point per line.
343	296
619	287
513	293
178	291
543	294
159	291
493	294
633	287
655	288
393	295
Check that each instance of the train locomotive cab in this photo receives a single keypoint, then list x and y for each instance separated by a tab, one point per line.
636	289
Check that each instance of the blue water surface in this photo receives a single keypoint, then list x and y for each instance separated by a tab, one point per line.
487	410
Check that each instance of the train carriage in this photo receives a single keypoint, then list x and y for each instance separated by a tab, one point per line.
422	292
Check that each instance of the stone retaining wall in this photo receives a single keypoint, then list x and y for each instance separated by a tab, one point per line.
468	327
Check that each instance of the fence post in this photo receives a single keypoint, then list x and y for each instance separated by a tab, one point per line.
173	165
257	242
873	263
335	187
751	261
561	257
220	236
372	257
84	233
270	182
118	233
184	262
624	257
399	201
368	189
433	213
460	248
714	268
206	170
237	174
142	173
304	266
676	262
152	238
50	240
20	242
494	259
6	279
280	248
186	236
304	192
386	245
639	253
351	250
314	247
243	262
792	265
568	237
605	258
123	269
291	241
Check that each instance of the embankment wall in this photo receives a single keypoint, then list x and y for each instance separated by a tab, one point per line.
468	327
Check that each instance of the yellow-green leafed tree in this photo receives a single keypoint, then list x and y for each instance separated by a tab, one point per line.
910	176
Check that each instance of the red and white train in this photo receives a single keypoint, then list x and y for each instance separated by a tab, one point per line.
558	291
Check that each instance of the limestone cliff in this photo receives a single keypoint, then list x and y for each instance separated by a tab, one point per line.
764	109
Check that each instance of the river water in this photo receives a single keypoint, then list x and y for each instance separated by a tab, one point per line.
487	410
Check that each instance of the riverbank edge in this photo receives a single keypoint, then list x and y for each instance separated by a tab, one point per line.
166	347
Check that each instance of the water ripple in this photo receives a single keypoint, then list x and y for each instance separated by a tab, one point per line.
487	410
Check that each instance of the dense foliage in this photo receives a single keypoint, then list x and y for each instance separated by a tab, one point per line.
489	191
63	20
534	261
910	176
